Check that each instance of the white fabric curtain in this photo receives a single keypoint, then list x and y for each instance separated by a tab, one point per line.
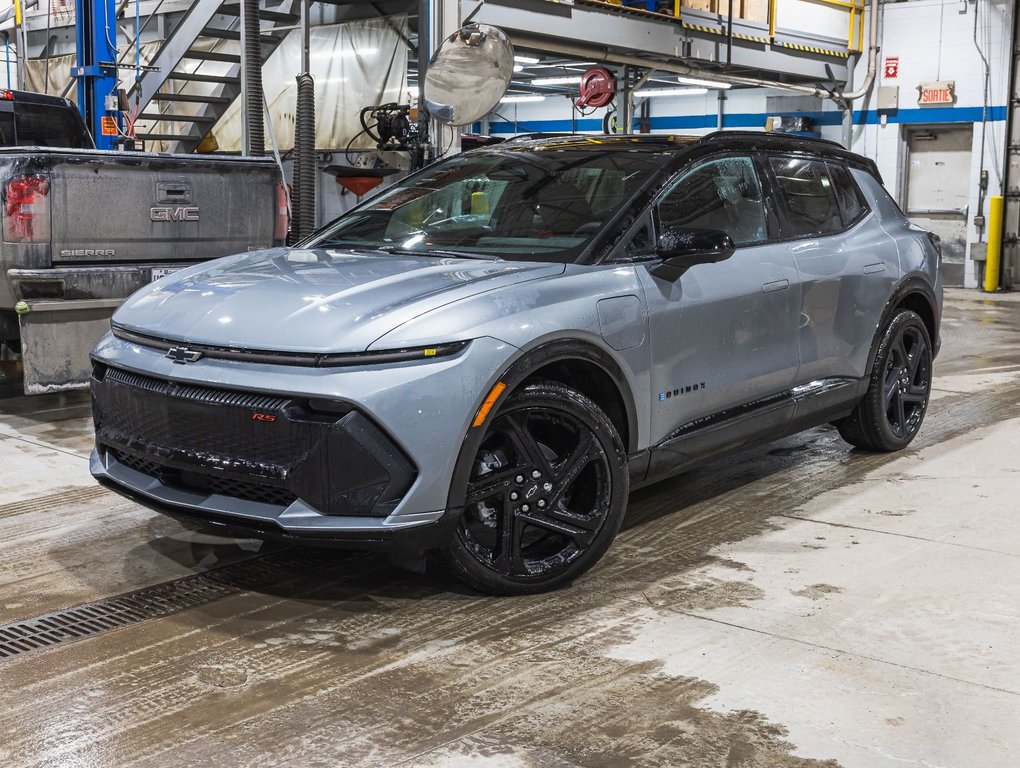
355	65
60	71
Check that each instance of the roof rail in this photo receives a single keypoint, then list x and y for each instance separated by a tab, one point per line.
768	136
537	135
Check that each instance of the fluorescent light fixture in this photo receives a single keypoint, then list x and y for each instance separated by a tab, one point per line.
520	99
705	83
526	60
670	92
564	80
518	67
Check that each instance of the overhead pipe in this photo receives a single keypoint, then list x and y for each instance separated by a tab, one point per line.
679	68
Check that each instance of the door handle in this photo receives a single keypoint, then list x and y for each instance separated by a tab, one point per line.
776	285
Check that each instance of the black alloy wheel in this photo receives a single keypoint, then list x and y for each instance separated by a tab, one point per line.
907	381
546	494
891	412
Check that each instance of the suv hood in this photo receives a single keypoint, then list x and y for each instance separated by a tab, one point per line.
311	300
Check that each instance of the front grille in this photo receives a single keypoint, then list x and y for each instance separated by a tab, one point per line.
197	393
249	445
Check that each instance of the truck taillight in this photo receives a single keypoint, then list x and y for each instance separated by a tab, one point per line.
282	212
27	210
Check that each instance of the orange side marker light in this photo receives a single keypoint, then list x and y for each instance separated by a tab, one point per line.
490	401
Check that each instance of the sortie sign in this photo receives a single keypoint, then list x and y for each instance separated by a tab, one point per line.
937	92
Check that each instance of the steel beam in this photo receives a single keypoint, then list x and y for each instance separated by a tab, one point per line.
602	33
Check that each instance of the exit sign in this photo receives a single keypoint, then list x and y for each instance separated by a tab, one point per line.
938	92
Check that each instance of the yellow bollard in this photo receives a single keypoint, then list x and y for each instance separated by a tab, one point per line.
479	203
994	243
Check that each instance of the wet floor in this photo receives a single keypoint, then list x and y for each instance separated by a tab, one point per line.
799	605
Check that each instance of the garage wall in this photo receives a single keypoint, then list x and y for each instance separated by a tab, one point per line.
933	40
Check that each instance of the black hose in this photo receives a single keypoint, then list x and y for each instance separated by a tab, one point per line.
304	158
251	40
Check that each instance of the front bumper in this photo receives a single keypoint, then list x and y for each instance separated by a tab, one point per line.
408	418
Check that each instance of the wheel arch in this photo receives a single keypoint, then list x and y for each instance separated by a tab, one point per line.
577	363
918	296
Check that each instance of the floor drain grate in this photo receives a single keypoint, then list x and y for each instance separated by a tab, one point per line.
153	602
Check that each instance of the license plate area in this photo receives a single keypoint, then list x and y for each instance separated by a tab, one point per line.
159	272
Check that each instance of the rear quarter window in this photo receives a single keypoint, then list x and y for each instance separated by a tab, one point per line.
808	196
848	196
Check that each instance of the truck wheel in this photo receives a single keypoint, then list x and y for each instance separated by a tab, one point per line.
546	494
891	412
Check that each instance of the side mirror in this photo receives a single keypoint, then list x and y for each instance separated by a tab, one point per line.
683	248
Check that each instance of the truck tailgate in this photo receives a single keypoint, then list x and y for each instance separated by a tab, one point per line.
126	207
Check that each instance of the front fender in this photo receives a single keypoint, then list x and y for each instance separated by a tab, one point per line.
518	369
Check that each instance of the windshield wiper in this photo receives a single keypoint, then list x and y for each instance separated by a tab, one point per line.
435	252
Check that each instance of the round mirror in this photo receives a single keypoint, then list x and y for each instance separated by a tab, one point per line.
468	74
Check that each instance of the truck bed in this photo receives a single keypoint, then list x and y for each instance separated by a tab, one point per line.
117	220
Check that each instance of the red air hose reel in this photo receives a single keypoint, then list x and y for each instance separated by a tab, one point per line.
598	87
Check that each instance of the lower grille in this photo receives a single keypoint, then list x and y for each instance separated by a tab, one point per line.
249	445
138	464
198	481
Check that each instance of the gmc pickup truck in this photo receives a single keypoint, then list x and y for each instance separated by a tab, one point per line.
83	229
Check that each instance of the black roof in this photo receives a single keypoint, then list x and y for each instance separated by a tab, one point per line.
659	142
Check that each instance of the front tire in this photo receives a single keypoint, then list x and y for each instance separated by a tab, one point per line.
546	493
890	414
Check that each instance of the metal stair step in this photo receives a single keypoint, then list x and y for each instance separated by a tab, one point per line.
264	15
229	58
192	98
194	78
268	37
174	117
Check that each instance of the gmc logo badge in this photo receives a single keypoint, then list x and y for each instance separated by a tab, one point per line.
179	213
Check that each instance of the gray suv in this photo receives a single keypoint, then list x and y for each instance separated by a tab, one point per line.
487	357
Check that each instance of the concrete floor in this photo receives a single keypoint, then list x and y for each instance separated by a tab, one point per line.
799	605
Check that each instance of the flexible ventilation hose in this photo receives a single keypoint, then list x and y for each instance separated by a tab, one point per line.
304	158
251	40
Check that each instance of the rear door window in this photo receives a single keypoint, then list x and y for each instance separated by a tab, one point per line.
721	194
808	195
851	203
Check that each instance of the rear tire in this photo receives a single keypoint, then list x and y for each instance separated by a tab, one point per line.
890	414
546	494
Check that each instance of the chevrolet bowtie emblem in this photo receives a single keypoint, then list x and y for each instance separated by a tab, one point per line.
183	355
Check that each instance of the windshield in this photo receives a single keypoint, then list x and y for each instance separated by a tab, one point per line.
543	205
